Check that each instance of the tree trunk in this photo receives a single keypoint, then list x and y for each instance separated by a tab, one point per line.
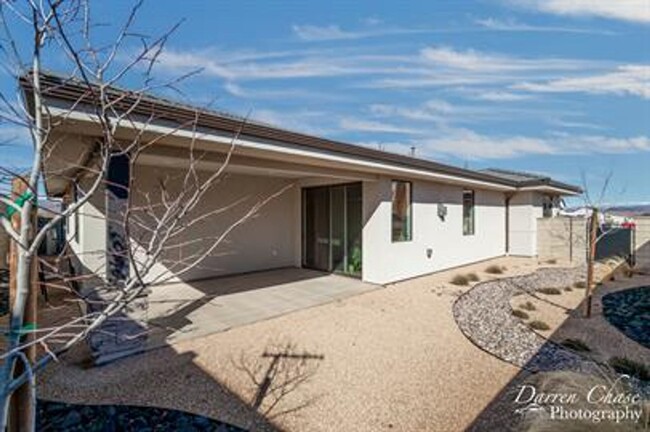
20	418
591	258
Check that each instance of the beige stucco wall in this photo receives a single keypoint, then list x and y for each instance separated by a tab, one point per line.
525	209
562	238
264	241
643	240
385	261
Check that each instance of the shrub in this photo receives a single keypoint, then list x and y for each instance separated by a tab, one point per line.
494	269
460	280
538	325
633	368
528	306
575	345
551	261
473	277
549	291
568	289
580	285
519	314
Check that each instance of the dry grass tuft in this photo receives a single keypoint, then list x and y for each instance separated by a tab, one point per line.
473	277
538	325
460	280
529	306
494	269
633	368
549	291
519	314
575	345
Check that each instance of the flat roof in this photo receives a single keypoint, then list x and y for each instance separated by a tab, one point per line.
76	91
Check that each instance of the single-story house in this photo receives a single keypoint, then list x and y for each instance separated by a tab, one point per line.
370	214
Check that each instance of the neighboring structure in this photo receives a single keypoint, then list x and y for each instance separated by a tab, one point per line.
379	216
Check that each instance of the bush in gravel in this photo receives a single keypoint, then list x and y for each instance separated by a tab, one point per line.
549	291
568	289
580	285
575	345
633	368
538	325
528	306
473	277
519	314
460	280
494	269
551	261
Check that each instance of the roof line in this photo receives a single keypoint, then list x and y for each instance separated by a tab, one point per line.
74	90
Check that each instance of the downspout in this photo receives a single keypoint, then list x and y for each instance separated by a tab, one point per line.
508	196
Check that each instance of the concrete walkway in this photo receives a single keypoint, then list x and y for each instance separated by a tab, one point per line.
183	311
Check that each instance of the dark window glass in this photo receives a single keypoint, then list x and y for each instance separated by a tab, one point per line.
468	212
402	222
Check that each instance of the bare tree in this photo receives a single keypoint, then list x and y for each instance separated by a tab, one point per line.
596	232
148	232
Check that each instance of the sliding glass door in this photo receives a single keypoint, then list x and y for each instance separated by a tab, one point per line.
332	223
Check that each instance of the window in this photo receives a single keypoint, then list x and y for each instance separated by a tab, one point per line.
402	223
468	212
547	206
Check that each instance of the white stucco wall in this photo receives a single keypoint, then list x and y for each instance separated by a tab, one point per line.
385	261
525	208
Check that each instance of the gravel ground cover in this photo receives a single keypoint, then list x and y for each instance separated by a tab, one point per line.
484	315
629	311
62	417
392	359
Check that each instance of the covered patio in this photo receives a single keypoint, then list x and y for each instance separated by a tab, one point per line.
187	310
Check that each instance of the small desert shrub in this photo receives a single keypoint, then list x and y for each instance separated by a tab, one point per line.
494	269
551	261
549	291
575	345
519	314
580	285
460	280
528	306
473	277
633	368
568	289
538	325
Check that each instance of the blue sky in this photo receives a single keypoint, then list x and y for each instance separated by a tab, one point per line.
554	86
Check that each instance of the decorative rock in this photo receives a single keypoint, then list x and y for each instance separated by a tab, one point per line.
484	315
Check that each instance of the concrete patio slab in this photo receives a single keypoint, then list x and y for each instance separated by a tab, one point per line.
183	311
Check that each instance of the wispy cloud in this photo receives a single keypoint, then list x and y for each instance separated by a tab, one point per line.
513	25
627	10
473	60
360	125
332	32
625	80
468	144
498	96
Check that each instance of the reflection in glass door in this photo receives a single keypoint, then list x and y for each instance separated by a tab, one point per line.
332	225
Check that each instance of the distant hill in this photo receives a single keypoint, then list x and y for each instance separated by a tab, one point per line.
630	210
